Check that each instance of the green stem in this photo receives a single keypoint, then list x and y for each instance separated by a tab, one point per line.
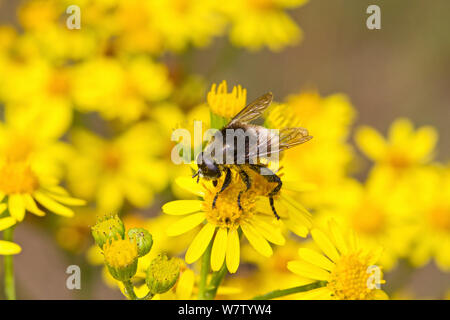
206	262
285	292
130	290
10	289
214	284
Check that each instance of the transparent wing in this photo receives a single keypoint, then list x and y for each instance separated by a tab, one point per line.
253	110
272	142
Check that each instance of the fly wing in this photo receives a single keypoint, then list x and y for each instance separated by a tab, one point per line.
253	110
272	142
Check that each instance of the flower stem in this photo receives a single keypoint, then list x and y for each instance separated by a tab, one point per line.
10	289
206	258
214	284
130	290
285	292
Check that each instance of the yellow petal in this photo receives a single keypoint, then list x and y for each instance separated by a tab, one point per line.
31	206
424	142
52	205
219	249
371	143
400	131
315	258
2	196
16	205
8	248
3	207
308	270
181	207
270	232
185	285
69	201
189	184
256	240
338	237
185	224
325	244
233	251
7	222
200	243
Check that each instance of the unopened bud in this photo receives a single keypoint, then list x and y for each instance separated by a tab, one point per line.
162	274
143	240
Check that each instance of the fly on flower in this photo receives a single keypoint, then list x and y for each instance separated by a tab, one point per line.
243	146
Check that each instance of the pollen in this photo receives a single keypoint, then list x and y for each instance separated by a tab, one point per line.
17	177
226	104
226	213
350	278
120	253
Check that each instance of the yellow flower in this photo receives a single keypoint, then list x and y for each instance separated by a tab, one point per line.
126	168
323	161
9	248
262	23
404	148
106	85
225	104
343	263
431	192
40	145
379	215
224	222
21	185
184	22
121	258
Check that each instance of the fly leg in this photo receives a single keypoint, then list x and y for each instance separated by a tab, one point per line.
244	176
225	185
270	176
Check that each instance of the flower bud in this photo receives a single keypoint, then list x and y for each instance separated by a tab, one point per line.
121	258
143	239
162	274
107	228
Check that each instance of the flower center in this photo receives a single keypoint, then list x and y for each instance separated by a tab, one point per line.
59	84
349	279
440	219
368	219
17	177
227	213
111	159
120	253
398	160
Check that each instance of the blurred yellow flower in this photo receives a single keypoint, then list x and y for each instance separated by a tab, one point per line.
117	90
262	23
343	263
125	168
325	160
22	185
378	215
432	197
405	148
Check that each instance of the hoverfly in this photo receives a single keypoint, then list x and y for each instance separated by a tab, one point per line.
211	164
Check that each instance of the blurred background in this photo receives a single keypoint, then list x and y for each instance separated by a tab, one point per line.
402	70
